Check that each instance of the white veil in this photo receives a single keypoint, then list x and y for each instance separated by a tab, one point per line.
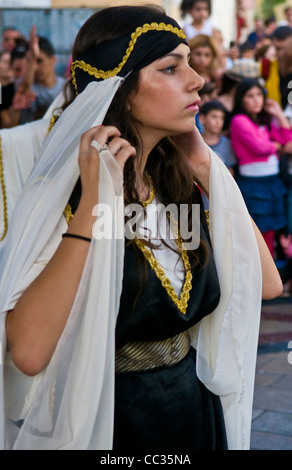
41	205
50	184
74	403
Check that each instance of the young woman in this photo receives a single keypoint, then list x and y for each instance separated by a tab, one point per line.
137	344
259	131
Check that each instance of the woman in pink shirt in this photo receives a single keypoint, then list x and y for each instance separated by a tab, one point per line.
259	132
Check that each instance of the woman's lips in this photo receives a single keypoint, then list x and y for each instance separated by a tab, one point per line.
194	106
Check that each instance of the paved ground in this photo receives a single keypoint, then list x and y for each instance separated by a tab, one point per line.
272	414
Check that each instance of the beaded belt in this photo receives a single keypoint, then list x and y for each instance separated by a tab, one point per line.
145	355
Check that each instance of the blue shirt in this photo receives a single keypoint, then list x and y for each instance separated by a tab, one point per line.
224	150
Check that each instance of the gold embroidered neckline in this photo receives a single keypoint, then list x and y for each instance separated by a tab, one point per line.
134	37
182	301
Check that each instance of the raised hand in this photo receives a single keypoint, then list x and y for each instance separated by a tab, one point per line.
91	142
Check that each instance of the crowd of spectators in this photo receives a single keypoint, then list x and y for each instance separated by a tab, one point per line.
245	114
27	76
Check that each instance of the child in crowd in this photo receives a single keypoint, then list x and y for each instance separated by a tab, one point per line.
207	93
212	117
204	58
260	132
247	50
200	11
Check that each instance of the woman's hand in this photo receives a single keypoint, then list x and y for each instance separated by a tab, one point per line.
89	156
279	147
34	48
287	149
273	108
198	156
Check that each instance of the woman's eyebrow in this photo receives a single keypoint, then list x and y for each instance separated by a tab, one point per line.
175	55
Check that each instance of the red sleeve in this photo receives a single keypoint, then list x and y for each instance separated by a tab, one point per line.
280	134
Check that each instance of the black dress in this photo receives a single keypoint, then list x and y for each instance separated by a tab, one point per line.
166	408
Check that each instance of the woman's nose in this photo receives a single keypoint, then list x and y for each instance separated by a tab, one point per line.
196	81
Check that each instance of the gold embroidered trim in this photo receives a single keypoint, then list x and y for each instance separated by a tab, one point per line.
4	196
182	302
134	37
152	191
207	215
68	214
52	122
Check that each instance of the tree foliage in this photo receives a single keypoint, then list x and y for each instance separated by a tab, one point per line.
267	7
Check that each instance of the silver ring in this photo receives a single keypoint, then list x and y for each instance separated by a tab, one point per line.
97	145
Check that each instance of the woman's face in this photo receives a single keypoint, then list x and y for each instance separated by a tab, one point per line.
253	101
201	58
167	98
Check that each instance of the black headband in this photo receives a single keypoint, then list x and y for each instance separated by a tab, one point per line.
126	53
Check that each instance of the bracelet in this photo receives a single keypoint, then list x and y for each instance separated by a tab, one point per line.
79	237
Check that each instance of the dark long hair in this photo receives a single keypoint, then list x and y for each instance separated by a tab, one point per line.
227	84
167	166
243	87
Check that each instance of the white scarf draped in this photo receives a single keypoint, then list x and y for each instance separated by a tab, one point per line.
73	405
20	147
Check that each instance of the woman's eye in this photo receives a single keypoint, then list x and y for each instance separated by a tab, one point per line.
171	69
